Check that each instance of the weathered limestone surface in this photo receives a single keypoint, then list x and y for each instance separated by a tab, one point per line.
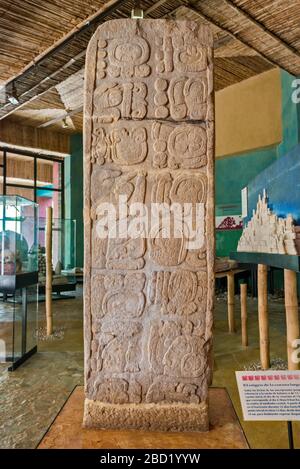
149	134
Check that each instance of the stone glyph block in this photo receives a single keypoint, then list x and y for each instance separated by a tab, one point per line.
149	136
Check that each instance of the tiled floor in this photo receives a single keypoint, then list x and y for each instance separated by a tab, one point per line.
31	397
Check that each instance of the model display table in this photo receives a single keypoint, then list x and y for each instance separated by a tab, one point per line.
291	265
281	261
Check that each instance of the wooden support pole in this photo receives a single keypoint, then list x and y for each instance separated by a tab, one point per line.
49	271
291	312
263	319
230	302
244	314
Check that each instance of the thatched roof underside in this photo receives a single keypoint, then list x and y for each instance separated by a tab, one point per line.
43	43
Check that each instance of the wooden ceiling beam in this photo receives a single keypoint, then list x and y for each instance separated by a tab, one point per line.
53	79
107	9
154	6
262	27
62	116
235	36
70	63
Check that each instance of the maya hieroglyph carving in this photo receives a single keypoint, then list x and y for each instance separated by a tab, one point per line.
266	232
149	131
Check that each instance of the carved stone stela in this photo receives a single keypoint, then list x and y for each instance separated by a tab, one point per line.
149	134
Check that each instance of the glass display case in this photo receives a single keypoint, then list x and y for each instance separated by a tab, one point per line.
63	255
18	278
18	236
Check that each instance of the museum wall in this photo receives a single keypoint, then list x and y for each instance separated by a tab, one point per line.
74	192
248	114
232	174
281	182
34	138
236	171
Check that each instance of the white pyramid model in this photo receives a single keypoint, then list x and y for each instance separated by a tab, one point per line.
266	232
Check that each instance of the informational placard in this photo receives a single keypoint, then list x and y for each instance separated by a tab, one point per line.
244	196
269	395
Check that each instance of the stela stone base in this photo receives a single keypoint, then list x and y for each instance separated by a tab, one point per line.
155	417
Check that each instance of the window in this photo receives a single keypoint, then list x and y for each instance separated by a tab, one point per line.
35	177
